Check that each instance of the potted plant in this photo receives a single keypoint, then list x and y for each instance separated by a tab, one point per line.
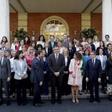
88	33
20	34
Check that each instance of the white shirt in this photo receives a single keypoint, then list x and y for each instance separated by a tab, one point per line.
97	44
12	64
41	43
66	61
103	61
61	50
46	50
13	46
2	58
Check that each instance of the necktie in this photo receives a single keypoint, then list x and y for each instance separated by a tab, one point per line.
0	61
93	61
56	57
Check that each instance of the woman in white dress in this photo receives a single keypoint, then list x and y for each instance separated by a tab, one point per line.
75	76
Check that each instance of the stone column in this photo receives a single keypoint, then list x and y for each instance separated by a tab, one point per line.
4	19
106	19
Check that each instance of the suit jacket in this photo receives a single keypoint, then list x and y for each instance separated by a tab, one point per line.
103	62
20	70
52	45
92	47
93	70
37	70
71	52
104	51
66	68
56	66
109	70
48	51
5	68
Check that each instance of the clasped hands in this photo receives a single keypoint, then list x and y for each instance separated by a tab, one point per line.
56	74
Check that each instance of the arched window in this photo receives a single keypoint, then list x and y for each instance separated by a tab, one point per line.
54	25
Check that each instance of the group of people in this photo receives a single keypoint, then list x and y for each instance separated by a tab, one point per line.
56	67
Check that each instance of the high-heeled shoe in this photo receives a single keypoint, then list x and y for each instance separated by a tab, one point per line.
77	101
73	101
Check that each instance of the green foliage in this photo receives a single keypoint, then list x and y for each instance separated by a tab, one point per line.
88	33
20	34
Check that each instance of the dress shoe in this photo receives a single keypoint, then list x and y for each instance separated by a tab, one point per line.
8	103
1	102
18	104
24	103
34	104
59	101
40	102
52	102
91	100
97	100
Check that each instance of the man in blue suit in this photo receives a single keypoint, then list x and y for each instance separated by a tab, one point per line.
38	76
93	69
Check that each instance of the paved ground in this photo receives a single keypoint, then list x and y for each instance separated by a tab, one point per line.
66	106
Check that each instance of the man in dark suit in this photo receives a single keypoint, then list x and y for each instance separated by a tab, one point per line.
56	66
5	71
108	50
38	76
93	69
52	42
48	49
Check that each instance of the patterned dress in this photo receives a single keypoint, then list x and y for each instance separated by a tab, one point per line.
75	73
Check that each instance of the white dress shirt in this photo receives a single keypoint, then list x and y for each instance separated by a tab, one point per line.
66	61
12	64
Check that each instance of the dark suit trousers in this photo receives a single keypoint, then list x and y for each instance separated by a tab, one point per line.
103	81
4	84
94	88
37	93
85	85
56	86
21	91
12	84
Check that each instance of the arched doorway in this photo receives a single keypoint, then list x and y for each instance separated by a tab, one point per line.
54	25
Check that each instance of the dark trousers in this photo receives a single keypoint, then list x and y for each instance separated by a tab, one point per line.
94	88
37	93
56	86
85	85
29	83
66	89
12	84
21	91
103	82
45	86
4	84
